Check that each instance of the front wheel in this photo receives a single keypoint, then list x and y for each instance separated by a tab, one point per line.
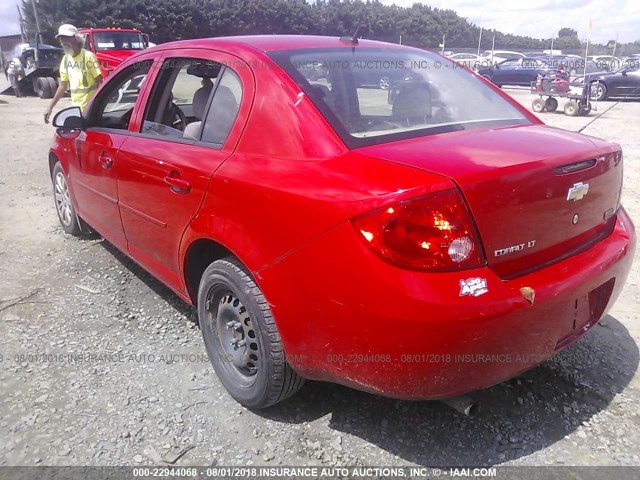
64	205
571	108
241	337
538	105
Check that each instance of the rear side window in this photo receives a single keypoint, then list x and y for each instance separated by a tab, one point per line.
180	97
224	108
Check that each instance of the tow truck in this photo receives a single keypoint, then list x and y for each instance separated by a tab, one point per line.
113	45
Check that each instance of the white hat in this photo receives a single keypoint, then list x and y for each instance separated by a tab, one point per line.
68	30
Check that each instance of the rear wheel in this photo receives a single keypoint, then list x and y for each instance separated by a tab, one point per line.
44	88
384	83
598	91
571	108
538	105
64	205
551	104
53	86
242	340
38	86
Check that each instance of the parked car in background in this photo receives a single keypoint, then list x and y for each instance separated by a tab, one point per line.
622	83
491	58
521	71
469	60
324	233
605	62
629	61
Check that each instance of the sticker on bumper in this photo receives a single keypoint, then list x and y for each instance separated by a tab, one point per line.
475	287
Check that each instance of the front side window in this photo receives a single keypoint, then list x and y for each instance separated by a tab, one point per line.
372	95
114	106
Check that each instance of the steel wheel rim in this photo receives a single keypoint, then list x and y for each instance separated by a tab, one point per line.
237	338
63	199
384	83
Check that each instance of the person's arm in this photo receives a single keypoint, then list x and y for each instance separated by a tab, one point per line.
62	88
98	82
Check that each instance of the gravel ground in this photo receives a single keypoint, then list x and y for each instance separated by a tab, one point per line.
148	397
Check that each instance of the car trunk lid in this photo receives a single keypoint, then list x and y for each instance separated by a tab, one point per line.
537	194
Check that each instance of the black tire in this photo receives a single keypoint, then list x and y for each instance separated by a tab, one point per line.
487	77
585	109
45	89
598	91
64	205
538	105
551	105
232	308
53	86
571	108
39	86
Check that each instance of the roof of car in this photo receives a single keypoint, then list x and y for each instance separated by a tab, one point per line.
270	43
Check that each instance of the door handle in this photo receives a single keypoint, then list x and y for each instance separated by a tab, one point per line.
105	160
176	183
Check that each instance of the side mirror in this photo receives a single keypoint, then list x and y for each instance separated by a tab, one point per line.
69	122
145	40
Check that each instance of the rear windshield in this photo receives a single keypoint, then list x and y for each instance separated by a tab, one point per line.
372	95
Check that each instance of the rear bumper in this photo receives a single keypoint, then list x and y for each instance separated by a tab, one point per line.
348	317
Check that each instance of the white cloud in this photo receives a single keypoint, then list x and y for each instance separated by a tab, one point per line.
9	24
543	18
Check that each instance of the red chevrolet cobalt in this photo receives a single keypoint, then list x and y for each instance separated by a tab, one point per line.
348	211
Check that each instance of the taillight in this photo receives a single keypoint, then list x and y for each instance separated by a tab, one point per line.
434	232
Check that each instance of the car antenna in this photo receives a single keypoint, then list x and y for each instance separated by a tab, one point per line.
615	104
353	40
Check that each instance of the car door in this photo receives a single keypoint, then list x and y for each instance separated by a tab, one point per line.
626	83
190	126
505	72
94	178
526	71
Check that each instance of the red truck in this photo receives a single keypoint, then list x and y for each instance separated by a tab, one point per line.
112	46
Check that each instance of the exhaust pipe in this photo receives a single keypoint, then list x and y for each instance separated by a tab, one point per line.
462	404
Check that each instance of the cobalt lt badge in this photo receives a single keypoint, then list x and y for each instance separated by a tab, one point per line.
578	191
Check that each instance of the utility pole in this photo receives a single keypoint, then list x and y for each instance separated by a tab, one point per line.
479	41
22	35
35	14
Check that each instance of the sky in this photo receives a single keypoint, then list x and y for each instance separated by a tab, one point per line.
537	18
9	23
543	18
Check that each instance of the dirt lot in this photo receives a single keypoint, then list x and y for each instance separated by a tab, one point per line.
132	406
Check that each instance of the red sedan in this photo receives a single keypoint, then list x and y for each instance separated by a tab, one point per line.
419	241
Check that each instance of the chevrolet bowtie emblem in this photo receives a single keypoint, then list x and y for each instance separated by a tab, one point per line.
578	191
